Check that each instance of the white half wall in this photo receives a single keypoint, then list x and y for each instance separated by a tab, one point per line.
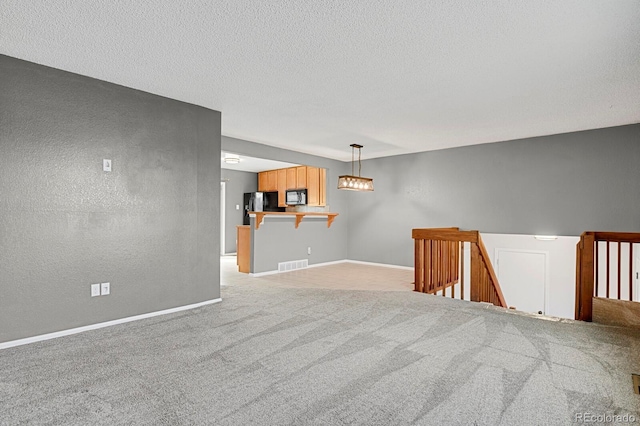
561	260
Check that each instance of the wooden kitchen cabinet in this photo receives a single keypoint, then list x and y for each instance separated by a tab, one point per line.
292	178
272	180
301	177
268	181
262	181
282	187
313	186
314	179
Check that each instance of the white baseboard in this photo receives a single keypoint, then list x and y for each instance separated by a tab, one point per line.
76	330
315	265
335	262
262	274
386	265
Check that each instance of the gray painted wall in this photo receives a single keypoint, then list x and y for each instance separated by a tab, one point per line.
279	241
150	227
237	183
562	184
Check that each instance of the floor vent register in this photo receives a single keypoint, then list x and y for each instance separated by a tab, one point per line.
292	265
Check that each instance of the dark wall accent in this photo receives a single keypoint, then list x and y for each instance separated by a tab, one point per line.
561	184
237	183
150	227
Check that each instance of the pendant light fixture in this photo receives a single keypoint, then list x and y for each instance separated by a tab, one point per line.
355	183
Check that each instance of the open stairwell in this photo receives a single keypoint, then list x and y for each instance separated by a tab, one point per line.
606	278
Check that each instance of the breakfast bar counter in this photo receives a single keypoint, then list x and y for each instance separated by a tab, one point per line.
298	216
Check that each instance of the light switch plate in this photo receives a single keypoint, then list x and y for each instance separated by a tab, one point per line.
106	165
237	206
95	290
105	289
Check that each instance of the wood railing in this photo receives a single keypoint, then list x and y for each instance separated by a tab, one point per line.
439	265
593	259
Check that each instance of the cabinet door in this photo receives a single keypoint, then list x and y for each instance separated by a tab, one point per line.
272	180
262	181
282	187
292	178
301	177
313	186
323	187
244	249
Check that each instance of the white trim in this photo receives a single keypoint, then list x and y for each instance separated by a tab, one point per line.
262	274
76	330
334	262
223	215
386	265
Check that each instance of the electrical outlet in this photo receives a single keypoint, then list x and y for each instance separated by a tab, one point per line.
105	289
106	165
308	250
95	290
237	206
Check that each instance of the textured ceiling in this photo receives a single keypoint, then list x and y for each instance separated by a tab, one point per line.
317	75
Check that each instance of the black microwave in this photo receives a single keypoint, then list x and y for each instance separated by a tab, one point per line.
296	197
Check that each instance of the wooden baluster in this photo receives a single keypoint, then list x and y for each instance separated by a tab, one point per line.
457	267
454	266
447	262
436	269
443	270
427	266
434	259
440	269
440	264
486	284
483	298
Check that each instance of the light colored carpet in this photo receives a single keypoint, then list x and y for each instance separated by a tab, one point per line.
269	355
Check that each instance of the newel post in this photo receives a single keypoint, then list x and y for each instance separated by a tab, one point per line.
474	289
585	277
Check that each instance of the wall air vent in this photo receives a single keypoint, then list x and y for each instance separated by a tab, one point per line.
292	265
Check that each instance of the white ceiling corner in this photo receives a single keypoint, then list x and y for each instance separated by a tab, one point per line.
317	75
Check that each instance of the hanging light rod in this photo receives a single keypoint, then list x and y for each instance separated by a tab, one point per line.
352	182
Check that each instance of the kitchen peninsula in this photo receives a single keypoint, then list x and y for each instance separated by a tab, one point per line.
288	223
298	216
286	230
